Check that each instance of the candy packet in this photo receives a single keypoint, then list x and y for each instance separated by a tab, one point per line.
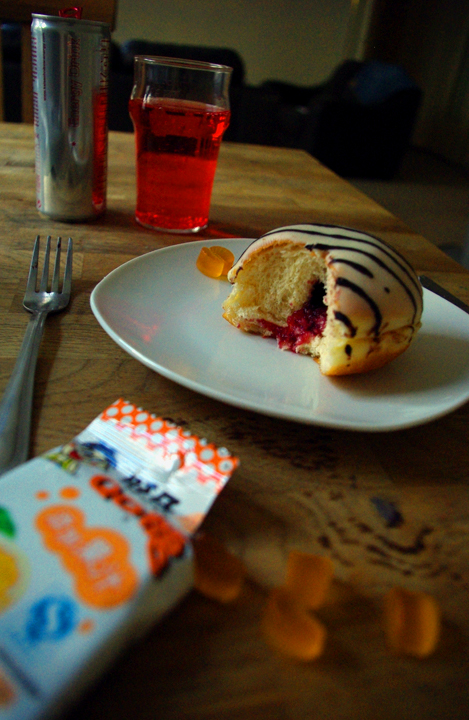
95	546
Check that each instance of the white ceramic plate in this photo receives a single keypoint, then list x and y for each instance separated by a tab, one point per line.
166	314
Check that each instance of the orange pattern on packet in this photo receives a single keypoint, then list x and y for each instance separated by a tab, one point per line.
69	493
96	558
86	626
164	541
165	434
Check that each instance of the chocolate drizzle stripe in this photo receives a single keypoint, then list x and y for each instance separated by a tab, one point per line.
355	265
343	282
379	262
345	234
346	321
384	249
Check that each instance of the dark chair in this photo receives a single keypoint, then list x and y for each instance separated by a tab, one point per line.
359	123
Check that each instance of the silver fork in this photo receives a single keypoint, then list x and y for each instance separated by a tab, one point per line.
16	403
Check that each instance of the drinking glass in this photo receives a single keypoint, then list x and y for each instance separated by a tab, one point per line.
180	110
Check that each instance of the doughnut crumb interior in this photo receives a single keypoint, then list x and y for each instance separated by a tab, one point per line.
340	295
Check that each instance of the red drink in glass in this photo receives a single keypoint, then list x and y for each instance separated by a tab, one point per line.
177	144
180	110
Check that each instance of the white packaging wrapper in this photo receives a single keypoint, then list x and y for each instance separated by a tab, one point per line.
94	548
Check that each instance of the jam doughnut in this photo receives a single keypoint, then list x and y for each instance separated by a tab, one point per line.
340	295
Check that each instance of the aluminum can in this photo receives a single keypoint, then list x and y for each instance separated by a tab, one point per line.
70	86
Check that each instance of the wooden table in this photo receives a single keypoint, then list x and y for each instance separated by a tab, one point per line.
297	486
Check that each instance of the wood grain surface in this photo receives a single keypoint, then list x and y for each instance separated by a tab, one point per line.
389	508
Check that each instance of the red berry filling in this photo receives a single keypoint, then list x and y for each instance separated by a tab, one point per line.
303	325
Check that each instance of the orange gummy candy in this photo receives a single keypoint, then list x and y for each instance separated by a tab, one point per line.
290	628
218	574
308	577
215	261
412	622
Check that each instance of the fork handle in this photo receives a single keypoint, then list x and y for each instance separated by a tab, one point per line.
17	401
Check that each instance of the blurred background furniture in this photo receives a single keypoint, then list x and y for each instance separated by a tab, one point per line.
16	78
358	123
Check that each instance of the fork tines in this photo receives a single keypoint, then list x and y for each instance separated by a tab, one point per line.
33	270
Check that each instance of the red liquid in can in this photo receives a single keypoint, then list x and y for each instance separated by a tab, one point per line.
177	144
